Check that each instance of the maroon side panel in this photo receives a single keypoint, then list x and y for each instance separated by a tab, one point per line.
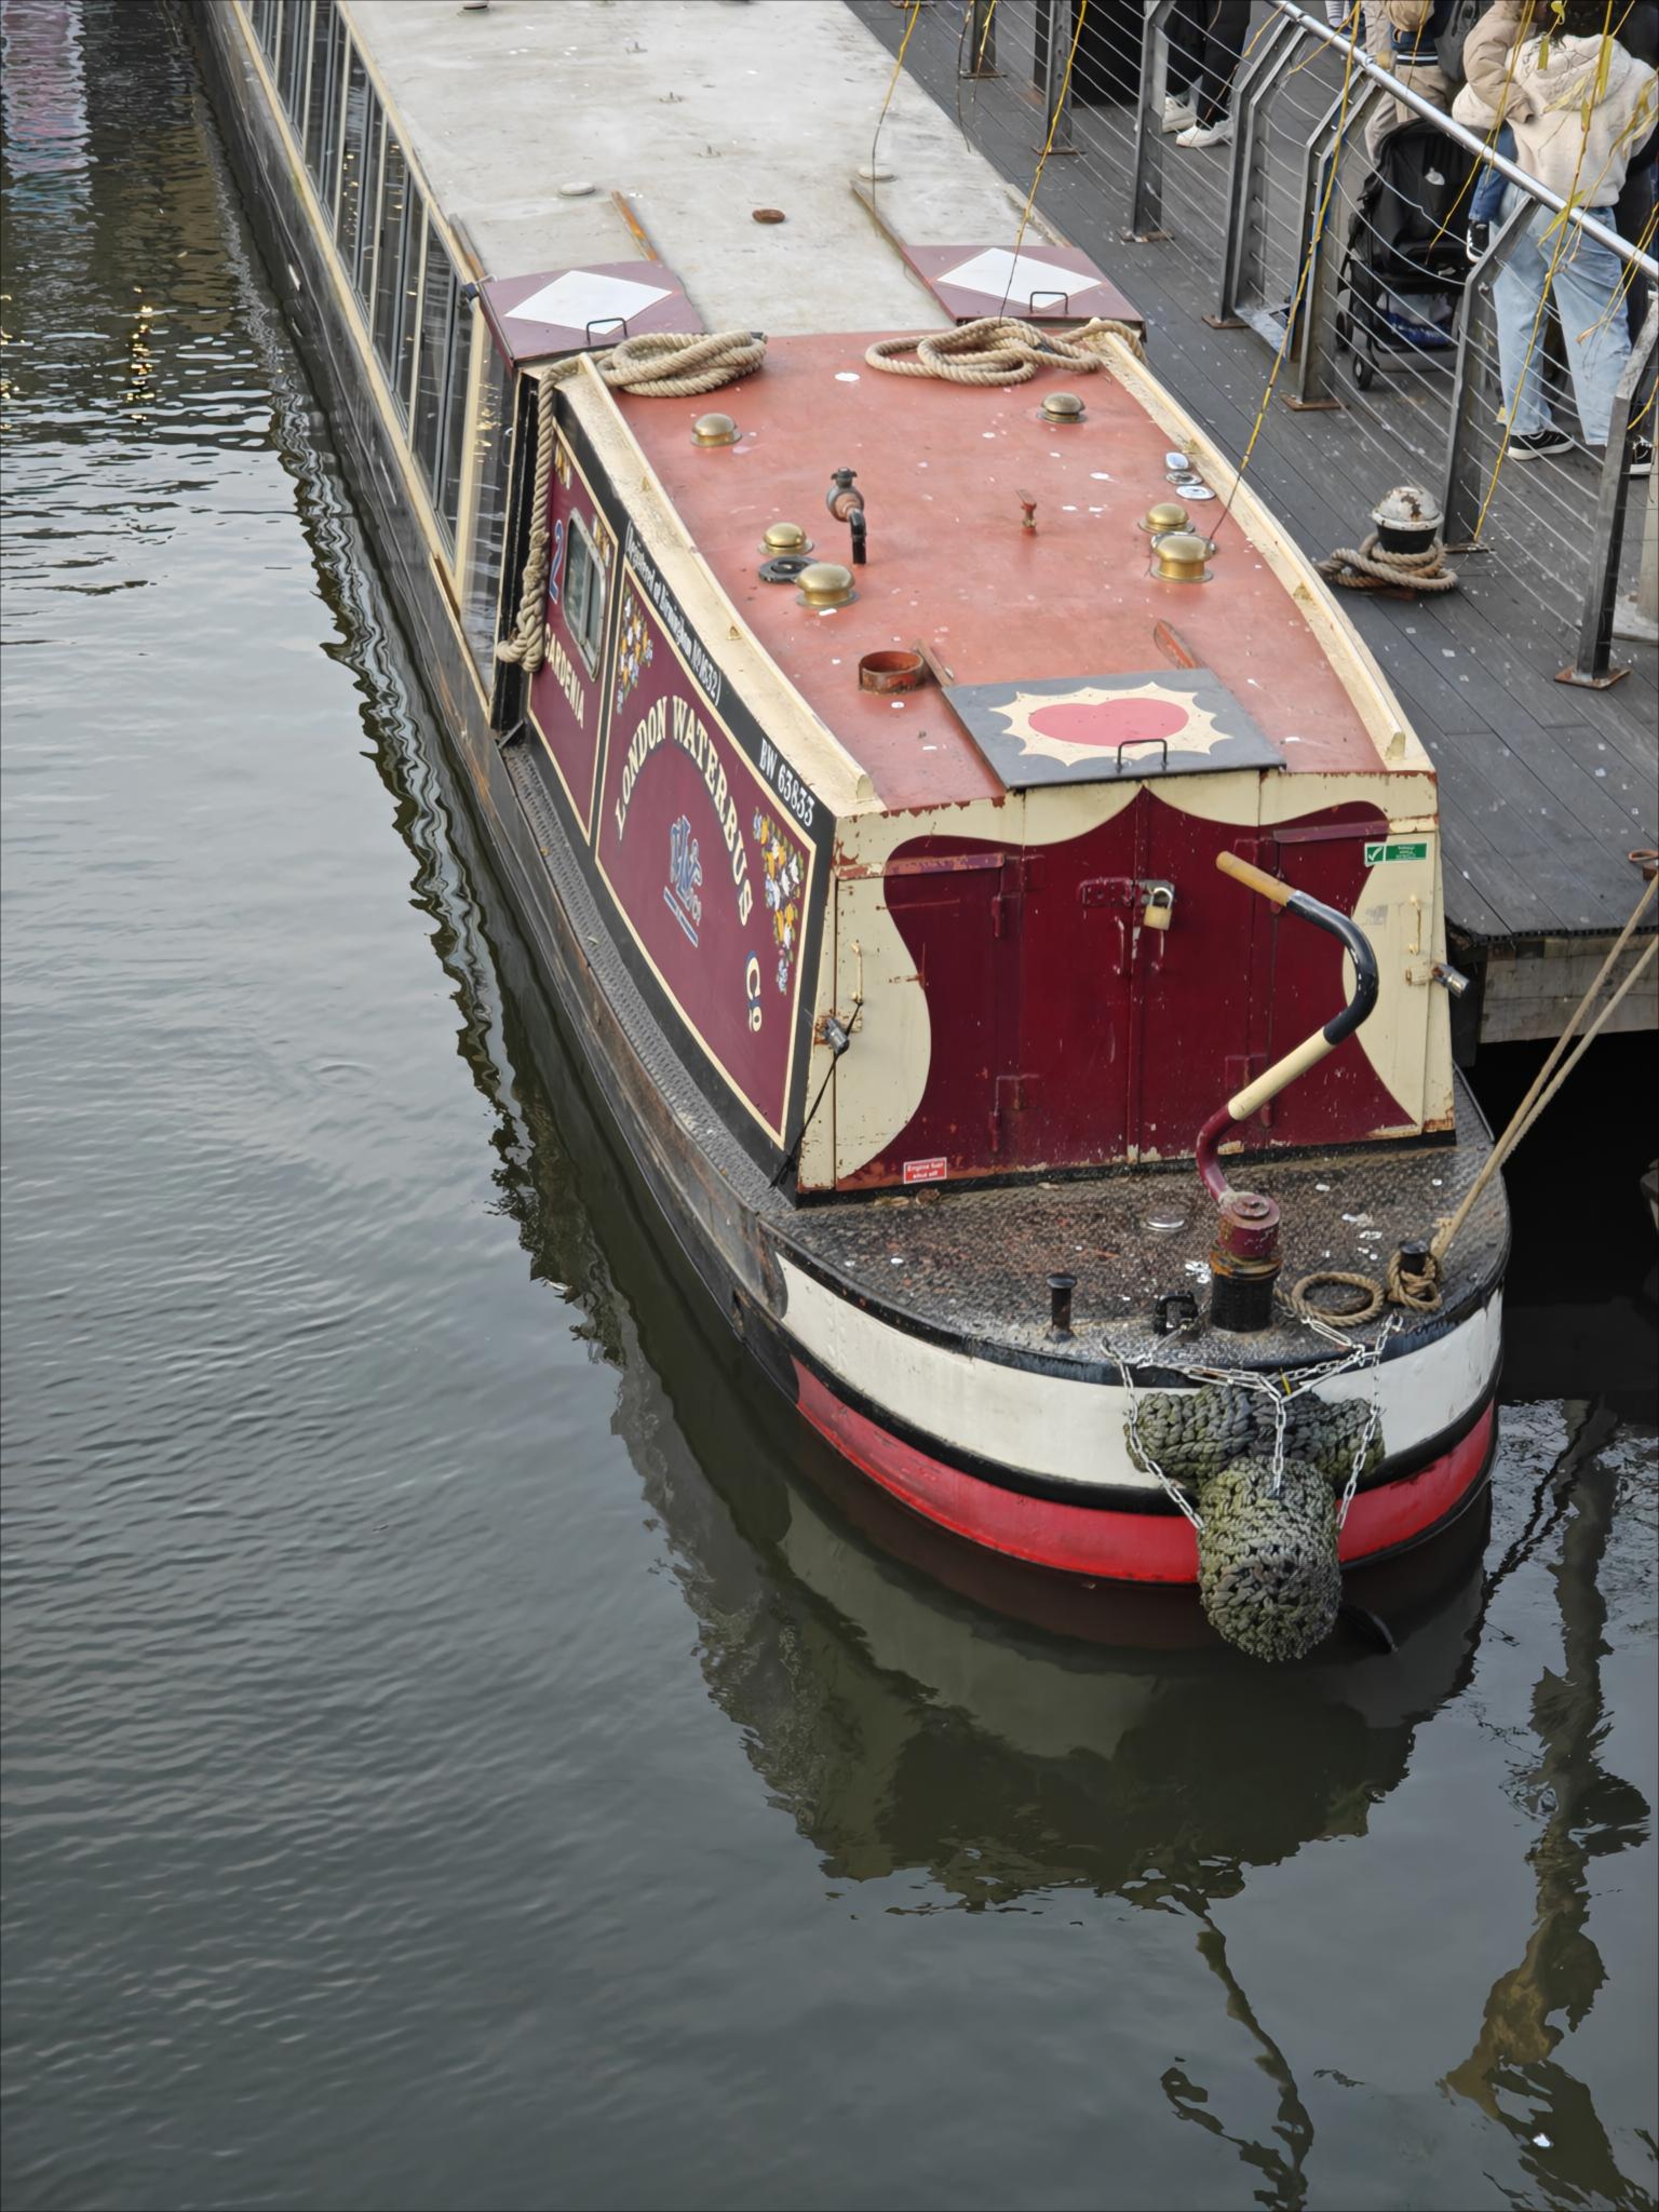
565	703
712	878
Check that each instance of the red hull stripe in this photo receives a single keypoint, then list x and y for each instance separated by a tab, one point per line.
1088	1540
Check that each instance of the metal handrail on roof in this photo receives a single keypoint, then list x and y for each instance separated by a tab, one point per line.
1471	141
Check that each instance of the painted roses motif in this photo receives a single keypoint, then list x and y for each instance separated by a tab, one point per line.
635	648
783	885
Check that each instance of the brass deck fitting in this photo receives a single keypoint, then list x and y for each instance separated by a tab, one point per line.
1063	407
1179	557
785	541
715	430
1166	515
825	584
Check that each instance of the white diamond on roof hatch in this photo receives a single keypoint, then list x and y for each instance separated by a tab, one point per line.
997	271
579	298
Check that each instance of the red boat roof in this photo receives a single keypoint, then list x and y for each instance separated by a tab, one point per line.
942	468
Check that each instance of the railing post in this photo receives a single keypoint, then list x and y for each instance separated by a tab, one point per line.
1146	195
1595	629
1051	81
981	57
1312	338
1278	44
1463	488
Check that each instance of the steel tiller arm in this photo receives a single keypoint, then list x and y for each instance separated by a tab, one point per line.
1312	1049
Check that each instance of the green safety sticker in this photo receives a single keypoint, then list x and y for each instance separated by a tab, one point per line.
1416	849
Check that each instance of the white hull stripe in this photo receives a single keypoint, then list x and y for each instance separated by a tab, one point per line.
1043	1424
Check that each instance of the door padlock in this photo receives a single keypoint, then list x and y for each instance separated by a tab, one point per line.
1160	905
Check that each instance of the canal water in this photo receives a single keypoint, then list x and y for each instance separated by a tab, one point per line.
464	1744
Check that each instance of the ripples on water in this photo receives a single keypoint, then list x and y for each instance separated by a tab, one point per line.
463	1744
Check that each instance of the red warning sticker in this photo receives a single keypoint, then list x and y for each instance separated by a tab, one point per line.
925	1170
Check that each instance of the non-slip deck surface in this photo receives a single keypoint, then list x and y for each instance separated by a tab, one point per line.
977	1262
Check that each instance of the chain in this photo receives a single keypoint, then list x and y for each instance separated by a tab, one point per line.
1138	1449
1349	1356
1372	1418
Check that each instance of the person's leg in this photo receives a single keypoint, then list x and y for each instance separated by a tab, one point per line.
1518	297
1229	27
1636	205
1187	22
1591	306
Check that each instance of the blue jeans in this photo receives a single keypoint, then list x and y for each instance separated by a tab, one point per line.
1596	333
1492	184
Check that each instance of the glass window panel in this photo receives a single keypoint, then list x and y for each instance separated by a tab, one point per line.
402	375
492	447
323	101
264	24
460	347
351	160
291	54
362	261
389	261
436	312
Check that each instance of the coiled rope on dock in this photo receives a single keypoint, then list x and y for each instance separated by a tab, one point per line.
1369	568
656	365
1000	349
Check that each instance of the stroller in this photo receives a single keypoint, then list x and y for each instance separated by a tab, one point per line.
1404	265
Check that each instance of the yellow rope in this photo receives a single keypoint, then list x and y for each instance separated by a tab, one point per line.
892	87
1553	1074
1047	143
1308	258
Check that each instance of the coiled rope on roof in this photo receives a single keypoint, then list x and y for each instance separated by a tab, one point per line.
656	365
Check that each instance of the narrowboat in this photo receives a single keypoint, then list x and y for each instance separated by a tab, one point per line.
997	893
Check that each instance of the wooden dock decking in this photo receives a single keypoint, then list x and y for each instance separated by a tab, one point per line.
1545	788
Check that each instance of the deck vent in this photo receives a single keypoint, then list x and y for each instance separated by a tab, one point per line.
785	541
1166	515
1179	558
1063	407
715	430
825	584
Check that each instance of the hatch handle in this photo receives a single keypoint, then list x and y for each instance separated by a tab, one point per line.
1343	1023
1124	743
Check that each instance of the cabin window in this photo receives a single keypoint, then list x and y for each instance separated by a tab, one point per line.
322	104
454	444
409	325
354	142
584	595
433	379
292	48
389	317
264	25
362	261
492	447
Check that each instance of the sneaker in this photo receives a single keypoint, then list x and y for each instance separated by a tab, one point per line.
1179	114
1641	457
1477	239
1537	445
1217	133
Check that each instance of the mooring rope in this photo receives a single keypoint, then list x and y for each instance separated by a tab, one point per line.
1369	568
1000	349
1419	1290
656	365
